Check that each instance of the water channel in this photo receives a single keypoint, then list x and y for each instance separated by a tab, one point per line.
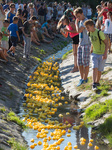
73	119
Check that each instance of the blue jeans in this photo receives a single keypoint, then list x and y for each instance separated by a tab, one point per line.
27	45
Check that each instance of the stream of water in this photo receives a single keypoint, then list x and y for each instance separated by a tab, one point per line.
73	119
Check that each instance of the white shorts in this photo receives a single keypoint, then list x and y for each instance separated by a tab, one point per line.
5	44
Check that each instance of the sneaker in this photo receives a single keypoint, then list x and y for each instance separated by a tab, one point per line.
12	54
85	81
94	87
80	82
8	51
97	84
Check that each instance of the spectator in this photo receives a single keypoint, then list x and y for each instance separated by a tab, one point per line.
6	6
31	7
83	54
84	8
60	10
27	29
25	13
89	12
105	10
41	13
98	50
14	35
100	19
2	16
49	11
5	38
71	30
108	28
11	14
54	13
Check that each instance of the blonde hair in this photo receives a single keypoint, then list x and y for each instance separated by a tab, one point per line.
31	5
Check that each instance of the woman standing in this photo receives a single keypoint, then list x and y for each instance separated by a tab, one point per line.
71	30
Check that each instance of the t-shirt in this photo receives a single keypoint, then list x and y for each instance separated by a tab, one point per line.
25	13
105	13
27	28
4	30
83	36
45	25
10	16
97	47
13	28
108	26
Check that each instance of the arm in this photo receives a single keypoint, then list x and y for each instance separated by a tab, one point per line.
106	49
79	30
1	8
74	28
24	32
18	35
91	50
64	34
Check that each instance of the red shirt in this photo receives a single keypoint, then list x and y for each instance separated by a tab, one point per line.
105	13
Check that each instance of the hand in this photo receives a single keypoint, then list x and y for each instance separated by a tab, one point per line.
91	51
65	30
18	39
104	56
77	21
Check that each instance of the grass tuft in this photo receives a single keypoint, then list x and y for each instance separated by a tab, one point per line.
97	110
66	54
12	117
16	145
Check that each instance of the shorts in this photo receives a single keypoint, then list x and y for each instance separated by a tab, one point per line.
5	44
75	39
110	37
83	55
98	62
14	40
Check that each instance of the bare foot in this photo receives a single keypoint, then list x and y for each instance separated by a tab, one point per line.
74	70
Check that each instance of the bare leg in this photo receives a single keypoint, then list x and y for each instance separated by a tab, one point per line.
46	41
75	46
2	55
81	71
98	76
35	35
12	49
86	71
95	73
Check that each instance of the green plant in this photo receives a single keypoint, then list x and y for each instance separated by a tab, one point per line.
66	54
3	109
16	145
97	110
11	116
106	129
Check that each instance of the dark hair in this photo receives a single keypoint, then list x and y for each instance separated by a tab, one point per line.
25	6
15	18
110	13
33	18
6	21
19	12
78	11
89	22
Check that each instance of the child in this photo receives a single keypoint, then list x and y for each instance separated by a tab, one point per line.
99	51
83	54
108	28
14	36
2	50
70	29
27	29
4	41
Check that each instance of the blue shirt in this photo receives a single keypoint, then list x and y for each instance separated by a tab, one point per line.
45	25
10	16
13	28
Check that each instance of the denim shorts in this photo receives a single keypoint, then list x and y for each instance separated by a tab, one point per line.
98	62
83	55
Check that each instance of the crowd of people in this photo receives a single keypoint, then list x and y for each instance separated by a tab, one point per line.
33	22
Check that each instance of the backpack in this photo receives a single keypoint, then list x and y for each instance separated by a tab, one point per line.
98	36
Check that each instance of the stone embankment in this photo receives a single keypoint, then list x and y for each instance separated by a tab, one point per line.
13	77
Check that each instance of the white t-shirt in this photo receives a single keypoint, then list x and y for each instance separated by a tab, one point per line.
108	26
49	13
